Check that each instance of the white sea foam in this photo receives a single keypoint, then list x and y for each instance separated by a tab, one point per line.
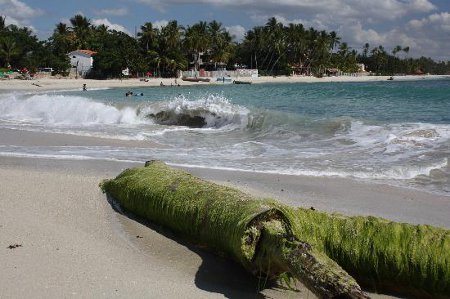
63	110
391	138
63	157
397	173
215	110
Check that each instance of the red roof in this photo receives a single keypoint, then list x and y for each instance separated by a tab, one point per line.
87	52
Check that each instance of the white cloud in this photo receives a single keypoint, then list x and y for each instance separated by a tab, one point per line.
431	35
236	31
438	22
340	9
110	25
117	12
426	37
160	24
356	36
423	5
18	13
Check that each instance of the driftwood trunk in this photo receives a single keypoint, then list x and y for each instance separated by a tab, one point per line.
252	231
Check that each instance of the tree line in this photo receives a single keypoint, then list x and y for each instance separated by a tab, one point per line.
273	49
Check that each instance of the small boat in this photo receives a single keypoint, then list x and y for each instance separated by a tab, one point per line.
192	79
224	80
241	82
391	78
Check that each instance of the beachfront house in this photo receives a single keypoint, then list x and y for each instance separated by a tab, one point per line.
81	62
361	67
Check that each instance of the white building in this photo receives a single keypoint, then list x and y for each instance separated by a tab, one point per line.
361	67
81	62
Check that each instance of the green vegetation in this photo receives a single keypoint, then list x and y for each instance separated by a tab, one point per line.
269	239
380	254
273	49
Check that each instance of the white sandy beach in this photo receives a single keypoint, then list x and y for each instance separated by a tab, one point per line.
73	84
72	243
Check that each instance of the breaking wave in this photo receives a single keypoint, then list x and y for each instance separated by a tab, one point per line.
211	112
63	110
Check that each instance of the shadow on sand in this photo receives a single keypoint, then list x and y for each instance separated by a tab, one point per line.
215	274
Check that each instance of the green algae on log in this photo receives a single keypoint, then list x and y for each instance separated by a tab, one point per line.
412	260
254	232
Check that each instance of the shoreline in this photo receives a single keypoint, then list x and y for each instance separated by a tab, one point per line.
49	84
346	196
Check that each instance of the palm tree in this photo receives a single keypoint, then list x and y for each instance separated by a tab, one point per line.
197	41
215	30
379	54
366	50
397	49
221	43
274	38
8	49
2	23
254	41
62	29
334	40
148	35
172	34
63	39
406	50
296	44
102	29
81	28
169	47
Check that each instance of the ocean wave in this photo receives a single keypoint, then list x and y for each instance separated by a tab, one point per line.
411	172
63	110
213	111
63	157
395	173
398	137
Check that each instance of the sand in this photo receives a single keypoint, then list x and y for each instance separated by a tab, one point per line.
77	84
73	243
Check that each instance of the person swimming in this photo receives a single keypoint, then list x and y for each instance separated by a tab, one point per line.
130	93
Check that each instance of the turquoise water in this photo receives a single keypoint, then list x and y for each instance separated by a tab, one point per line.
394	132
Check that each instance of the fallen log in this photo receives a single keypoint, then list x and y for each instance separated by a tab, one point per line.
254	232
382	255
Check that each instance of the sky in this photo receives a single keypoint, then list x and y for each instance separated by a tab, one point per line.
422	25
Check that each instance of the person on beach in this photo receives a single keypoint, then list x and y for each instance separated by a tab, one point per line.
161	84
84	87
